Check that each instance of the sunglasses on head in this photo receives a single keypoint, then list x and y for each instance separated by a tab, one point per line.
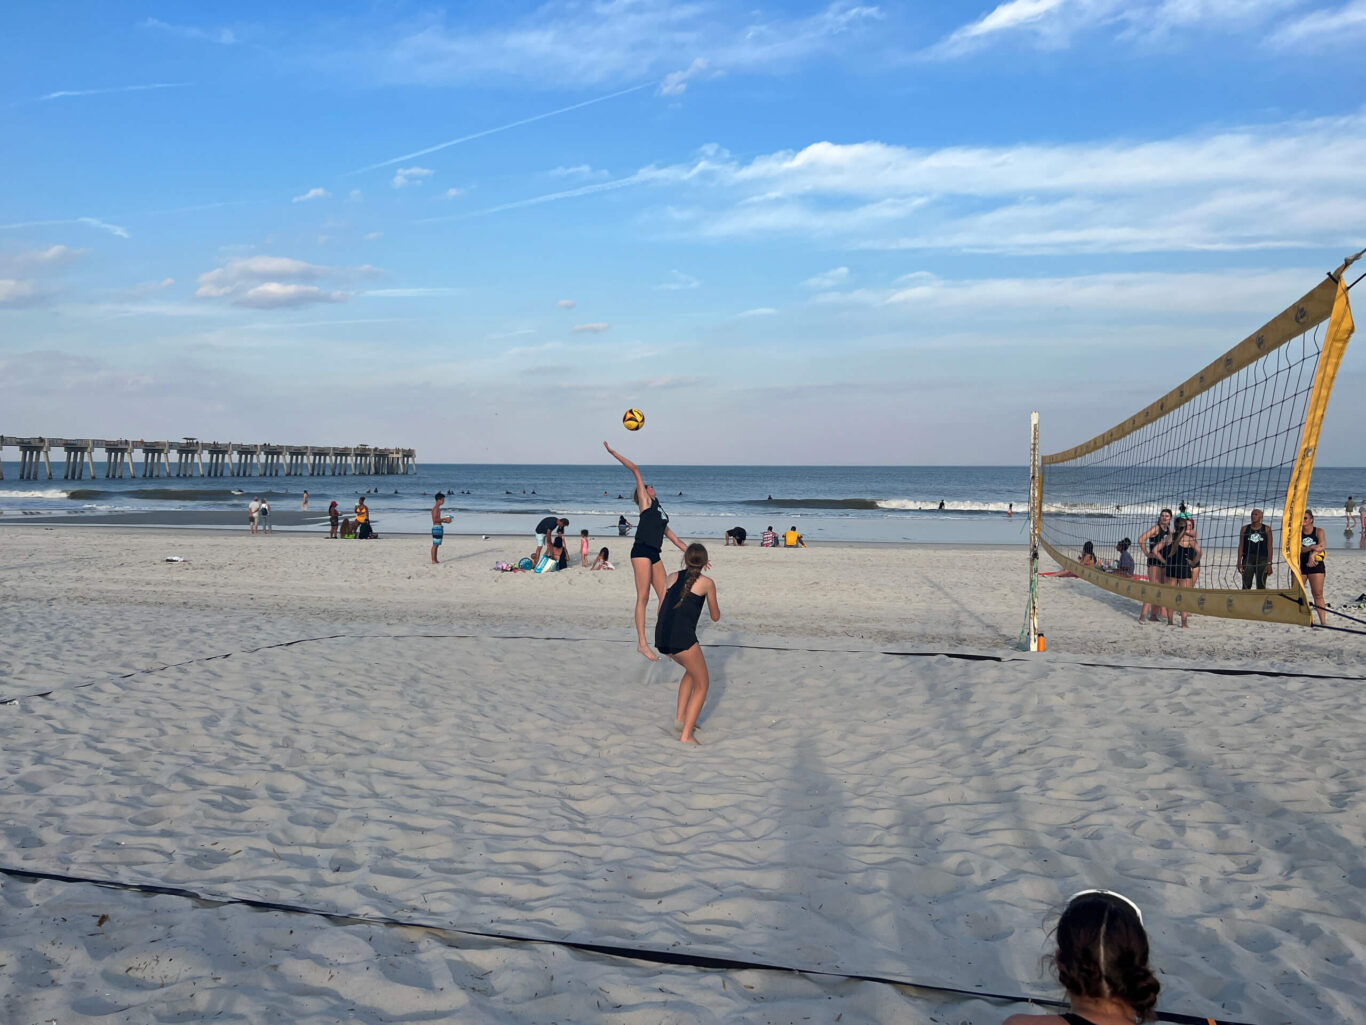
1107	893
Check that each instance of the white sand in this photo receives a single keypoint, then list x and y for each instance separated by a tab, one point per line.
850	811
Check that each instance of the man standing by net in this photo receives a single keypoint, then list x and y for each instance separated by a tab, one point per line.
1255	546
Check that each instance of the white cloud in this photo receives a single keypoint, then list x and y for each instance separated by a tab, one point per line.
566	304
1052	24
579	44
145	289
413	293
583	171
452	192
15	293
65	93
1260	186
311	194
113	229
832	278
758	311
1124	294
678	281
51	258
595	328
222	36
411	176
675	83
271	282
1343	25
272	295
355	196
370	236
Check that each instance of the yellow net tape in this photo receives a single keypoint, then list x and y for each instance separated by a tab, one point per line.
1340	328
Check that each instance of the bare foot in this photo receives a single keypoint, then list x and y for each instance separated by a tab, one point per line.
678	725
1140	620
691	740
644	649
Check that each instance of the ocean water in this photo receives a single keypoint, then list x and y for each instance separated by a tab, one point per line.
845	503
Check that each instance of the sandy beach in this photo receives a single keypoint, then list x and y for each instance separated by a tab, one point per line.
429	753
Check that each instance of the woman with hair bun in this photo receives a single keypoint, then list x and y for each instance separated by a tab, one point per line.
1102	962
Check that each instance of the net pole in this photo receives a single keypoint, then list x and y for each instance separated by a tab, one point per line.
1035	515
1340	329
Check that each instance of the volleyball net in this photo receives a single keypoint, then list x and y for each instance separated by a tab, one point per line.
1239	435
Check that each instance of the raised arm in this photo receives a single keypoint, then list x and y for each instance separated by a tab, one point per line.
641	499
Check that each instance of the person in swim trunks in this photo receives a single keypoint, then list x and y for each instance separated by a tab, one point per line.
1313	546
651	529
438	525
543	530
676	634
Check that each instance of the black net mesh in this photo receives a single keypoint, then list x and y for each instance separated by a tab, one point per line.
1226	452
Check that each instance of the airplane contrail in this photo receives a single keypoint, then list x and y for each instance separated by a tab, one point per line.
500	128
586	190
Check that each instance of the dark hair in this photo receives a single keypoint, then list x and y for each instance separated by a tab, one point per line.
563	522
1309	513
694	559
1167	511
584	532
440	497
1103	952
603	554
1123	546
1088	549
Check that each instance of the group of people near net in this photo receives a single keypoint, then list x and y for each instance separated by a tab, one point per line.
1172	548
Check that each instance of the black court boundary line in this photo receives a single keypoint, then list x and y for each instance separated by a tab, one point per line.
958	655
642	954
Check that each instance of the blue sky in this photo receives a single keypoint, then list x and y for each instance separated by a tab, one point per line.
815	232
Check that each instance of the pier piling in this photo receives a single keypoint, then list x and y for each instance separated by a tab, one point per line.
225	459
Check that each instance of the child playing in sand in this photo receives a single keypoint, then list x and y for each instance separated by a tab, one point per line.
676	634
601	561
583	548
1102	962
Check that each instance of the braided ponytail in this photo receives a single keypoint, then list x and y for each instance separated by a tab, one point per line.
695	559
1103	952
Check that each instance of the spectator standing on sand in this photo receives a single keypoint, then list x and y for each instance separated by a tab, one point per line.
333	518
363	528
1256	544
265	515
253	513
1351	508
439	521
304	504
1102	963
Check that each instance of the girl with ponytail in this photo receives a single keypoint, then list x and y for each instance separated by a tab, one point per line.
676	634
1102	962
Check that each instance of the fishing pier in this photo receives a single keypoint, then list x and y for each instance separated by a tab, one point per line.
195	458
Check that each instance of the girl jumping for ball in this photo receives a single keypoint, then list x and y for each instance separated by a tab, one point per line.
676	634
651	531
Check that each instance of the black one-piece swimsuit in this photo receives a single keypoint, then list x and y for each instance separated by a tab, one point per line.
676	627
